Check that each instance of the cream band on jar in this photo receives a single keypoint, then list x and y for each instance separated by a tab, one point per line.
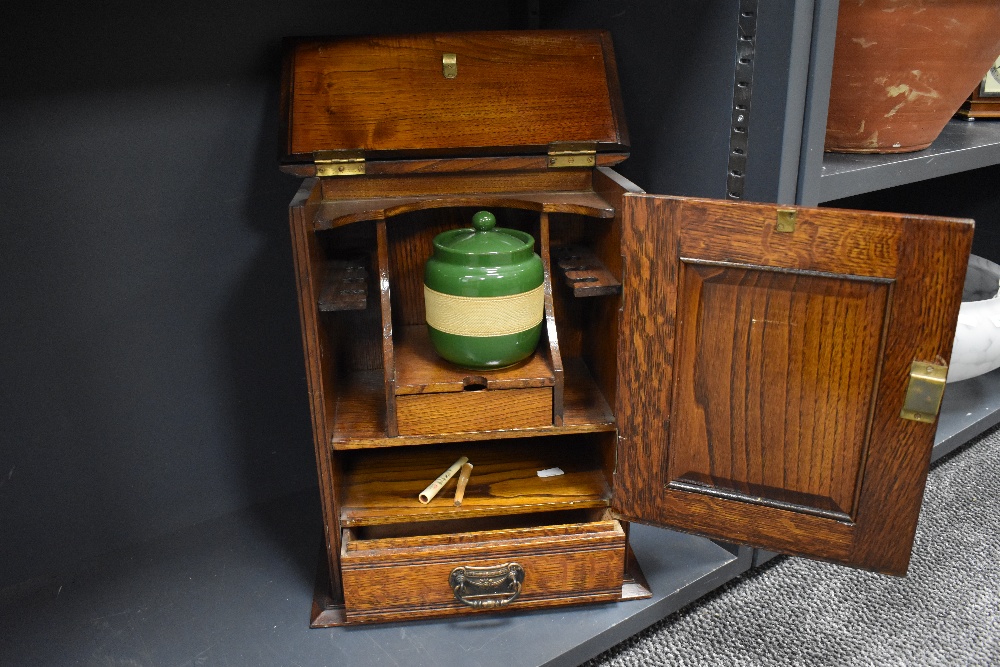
482	316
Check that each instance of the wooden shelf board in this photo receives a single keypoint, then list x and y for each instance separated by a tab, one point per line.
345	286
584	273
419	369
360	422
381	486
341	212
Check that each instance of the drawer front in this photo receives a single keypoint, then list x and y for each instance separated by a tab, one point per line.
405	578
460	412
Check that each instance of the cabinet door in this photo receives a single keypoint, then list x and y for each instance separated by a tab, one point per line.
763	366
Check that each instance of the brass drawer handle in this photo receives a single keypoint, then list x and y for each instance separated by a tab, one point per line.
487	587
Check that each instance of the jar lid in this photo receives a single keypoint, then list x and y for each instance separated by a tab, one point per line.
484	241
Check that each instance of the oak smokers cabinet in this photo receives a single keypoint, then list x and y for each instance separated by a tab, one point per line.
753	373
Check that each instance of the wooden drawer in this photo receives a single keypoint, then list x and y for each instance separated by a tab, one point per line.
462	412
396	578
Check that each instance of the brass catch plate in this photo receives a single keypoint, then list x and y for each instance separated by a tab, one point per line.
786	220
924	391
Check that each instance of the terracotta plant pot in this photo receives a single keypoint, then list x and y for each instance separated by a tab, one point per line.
902	68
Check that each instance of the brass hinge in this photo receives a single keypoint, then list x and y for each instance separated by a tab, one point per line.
924	391
339	163
572	154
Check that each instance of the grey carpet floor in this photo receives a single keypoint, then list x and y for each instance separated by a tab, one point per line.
946	611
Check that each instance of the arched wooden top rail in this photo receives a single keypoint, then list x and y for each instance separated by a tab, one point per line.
330	214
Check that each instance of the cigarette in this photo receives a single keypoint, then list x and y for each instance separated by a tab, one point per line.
463	479
432	490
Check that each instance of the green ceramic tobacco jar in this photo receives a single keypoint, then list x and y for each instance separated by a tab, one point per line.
483	295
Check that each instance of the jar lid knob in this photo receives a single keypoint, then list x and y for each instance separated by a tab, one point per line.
484	221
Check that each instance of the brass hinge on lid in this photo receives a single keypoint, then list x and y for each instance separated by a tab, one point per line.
339	163
924	391
572	154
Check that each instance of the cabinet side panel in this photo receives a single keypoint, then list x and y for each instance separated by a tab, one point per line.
603	327
645	352
309	261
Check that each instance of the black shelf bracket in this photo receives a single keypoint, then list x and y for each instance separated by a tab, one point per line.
739	127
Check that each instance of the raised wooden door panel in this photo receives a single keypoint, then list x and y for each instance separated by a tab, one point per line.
762	373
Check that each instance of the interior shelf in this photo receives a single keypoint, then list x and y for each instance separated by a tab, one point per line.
341	212
344	286
381	486
962	146
360	416
584	273
419	369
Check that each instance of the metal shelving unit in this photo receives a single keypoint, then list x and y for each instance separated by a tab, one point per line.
962	146
969	407
239	589
241	585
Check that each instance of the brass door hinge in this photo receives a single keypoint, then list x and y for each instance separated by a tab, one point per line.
339	163
572	154
924	391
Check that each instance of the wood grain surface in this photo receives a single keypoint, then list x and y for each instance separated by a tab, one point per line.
603	325
320	372
465	411
835	390
380	486
388	351
394	579
345	211
459	184
584	273
360	414
345	286
796	355
550	340
420	370
514	92
354	335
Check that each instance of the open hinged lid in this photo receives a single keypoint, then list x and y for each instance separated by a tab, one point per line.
780	372
550	96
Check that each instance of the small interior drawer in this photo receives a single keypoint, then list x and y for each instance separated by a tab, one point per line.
459	412
436	397
389	573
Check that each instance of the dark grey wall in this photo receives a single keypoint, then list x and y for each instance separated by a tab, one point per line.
151	369
151	373
676	64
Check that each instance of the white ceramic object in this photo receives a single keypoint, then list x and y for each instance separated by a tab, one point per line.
977	338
